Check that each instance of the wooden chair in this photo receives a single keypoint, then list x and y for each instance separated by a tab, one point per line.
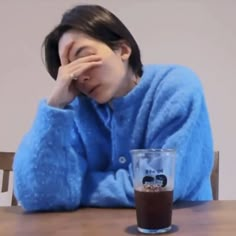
215	176
6	161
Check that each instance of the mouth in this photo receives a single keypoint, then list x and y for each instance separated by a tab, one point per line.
93	89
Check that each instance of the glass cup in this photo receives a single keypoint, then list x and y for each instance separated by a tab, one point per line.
153	185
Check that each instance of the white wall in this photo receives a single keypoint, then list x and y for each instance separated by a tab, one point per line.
200	34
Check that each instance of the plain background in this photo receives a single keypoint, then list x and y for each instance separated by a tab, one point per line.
197	33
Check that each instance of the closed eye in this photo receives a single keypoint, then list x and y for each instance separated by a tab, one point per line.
83	52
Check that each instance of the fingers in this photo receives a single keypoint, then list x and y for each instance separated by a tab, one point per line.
74	69
83	67
64	56
79	61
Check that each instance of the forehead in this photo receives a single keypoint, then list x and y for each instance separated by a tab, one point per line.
76	39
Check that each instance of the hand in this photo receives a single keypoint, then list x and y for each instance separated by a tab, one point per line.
65	91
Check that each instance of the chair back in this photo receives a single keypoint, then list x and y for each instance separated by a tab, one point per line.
215	176
6	161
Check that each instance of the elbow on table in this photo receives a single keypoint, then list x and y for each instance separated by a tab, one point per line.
39	199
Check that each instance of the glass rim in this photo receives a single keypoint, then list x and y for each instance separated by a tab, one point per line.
153	150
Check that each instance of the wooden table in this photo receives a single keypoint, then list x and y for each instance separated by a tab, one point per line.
216	218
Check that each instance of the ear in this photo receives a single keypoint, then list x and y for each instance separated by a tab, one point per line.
124	51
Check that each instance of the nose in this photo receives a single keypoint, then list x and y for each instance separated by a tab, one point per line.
83	78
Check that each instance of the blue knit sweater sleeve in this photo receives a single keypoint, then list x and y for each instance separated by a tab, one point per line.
48	165
179	119
109	189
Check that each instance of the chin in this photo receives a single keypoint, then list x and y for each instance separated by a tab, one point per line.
101	99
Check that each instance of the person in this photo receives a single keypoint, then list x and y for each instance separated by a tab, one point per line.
105	103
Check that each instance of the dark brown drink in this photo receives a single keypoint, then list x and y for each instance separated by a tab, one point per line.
153	209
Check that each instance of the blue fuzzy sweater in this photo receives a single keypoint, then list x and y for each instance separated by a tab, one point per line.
79	156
